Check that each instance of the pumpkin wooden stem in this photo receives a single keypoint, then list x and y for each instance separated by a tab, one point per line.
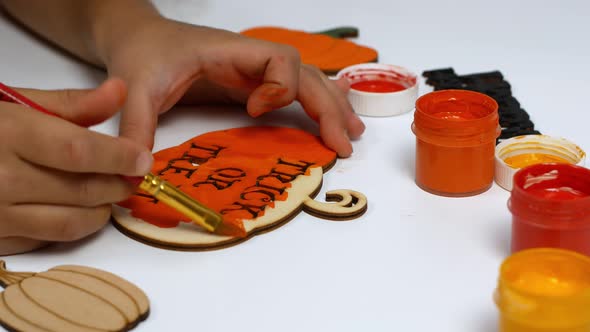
8	278
340	32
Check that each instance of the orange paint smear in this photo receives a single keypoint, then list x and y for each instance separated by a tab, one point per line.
236	172
272	93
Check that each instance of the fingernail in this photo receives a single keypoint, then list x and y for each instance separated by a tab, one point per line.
358	134
348	150
346	154
143	164
257	112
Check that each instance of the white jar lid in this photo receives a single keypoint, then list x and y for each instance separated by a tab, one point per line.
555	150
376	99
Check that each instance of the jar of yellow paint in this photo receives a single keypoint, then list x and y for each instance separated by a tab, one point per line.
522	151
544	290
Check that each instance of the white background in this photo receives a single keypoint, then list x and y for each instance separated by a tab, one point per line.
414	261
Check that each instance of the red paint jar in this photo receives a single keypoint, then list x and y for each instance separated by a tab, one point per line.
379	89
456	133
550	205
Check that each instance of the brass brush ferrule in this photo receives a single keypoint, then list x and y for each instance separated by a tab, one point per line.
181	202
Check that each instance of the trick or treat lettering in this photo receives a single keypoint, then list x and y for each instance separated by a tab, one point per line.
260	177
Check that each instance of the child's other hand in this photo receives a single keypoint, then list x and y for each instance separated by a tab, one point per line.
59	178
165	62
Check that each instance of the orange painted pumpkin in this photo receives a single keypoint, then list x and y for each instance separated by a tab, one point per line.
327	53
255	177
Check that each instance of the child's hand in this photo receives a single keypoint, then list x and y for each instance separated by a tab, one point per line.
165	62
59	178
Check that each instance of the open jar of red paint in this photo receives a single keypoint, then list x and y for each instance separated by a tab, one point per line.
379	89
550	205
456	133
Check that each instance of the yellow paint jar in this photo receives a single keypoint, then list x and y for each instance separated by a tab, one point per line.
544	290
522	151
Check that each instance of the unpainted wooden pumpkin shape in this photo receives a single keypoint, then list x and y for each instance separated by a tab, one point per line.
70	298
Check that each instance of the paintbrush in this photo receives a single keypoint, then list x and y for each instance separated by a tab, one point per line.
153	185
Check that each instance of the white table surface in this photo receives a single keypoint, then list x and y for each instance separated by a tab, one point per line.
414	261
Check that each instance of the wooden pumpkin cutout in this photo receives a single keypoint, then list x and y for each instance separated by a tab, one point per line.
260	177
327	50
70	298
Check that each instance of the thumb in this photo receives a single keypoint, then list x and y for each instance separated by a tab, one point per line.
85	107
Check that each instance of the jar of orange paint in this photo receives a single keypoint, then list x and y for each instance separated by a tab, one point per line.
550	205
456	133
544	290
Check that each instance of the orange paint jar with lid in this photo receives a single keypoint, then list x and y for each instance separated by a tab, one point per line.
544	290
456	133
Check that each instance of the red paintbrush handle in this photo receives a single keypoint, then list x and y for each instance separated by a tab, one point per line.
11	96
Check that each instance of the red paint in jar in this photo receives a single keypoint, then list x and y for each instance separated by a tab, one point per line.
456	133
550	205
379	86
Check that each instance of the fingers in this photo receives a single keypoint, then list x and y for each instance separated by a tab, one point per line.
139	118
52	166
58	144
53	222
274	68
83	107
204	91
62	188
339	88
324	102
18	245
321	107
284	78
